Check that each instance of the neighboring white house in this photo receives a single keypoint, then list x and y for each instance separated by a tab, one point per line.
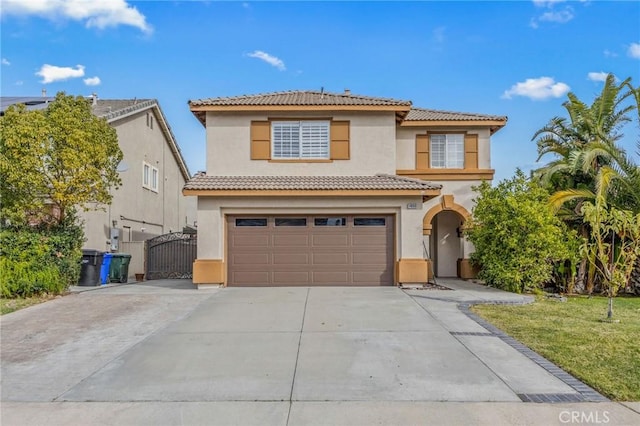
316	188
149	202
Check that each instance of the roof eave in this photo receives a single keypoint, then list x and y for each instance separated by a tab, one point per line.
429	193
497	124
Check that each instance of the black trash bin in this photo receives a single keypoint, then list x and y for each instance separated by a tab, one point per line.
90	268
119	269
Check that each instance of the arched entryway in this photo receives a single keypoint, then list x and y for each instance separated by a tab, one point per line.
444	243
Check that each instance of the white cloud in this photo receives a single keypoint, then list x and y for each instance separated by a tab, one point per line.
634	50
546	3
597	76
561	16
92	81
5	61
556	15
537	89
94	13
51	73
270	59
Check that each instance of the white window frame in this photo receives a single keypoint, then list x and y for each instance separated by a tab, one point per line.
446	150
155	177
146	175
150	177
307	140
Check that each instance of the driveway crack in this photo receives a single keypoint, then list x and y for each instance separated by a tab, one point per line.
295	368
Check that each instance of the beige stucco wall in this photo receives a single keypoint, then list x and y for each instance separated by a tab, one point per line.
406	145
163	211
372	145
212	211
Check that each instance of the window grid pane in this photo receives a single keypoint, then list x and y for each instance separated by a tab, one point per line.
447	151
297	140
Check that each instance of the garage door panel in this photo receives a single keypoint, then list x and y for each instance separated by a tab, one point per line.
251	259
330	258
330	240
331	277
312	254
291	277
291	259
290	240
250	278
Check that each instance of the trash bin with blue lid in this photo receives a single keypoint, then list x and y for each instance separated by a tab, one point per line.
90	268
105	268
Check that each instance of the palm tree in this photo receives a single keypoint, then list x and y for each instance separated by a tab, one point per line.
587	155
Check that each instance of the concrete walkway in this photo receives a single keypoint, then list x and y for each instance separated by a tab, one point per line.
160	352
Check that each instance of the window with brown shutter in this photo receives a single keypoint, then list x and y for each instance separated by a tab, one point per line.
340	135
422	152
470	151
260	140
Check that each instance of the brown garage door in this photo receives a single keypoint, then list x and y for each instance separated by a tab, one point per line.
310	250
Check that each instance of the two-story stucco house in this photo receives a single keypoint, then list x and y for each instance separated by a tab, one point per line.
153	172
314	188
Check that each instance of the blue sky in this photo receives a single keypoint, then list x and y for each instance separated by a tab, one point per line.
514	58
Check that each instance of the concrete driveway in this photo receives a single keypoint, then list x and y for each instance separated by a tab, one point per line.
161	352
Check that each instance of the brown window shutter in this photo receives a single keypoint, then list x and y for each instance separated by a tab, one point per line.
340	149
422	152
260	140
470	151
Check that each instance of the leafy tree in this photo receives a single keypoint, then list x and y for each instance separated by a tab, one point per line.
586	157
588	141
516	235
55	160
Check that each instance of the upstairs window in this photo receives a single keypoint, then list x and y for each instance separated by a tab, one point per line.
447	151
150	177
295	140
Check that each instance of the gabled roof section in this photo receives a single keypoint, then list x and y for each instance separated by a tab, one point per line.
117	109
380	184
298	100
424	116
112	109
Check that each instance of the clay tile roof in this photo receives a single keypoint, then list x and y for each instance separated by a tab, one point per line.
113	108
423	114
299	98
239	183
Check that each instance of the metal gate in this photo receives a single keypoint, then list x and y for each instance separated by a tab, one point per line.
170	256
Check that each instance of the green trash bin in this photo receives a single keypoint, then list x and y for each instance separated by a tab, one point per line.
119	269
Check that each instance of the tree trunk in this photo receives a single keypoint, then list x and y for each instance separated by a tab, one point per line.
634	280
581	279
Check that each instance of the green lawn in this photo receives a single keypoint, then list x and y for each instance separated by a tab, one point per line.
10	305
606	356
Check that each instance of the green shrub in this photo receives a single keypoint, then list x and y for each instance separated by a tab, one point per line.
27	278
516	235
35	260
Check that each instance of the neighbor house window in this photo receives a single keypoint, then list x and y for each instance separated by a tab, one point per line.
300	140
447	151
146	175
154	179
150	177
